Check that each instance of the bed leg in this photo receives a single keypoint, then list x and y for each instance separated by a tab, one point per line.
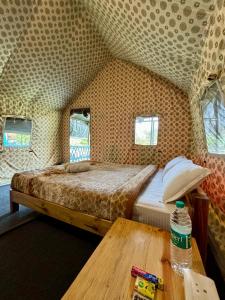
14	207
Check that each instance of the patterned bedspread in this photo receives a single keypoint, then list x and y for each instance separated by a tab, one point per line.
107	190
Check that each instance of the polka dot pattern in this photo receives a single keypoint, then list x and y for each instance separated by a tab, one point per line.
212	62
118	94
46	148
217	235
164	36
49	50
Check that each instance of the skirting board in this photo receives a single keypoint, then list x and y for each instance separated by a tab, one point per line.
84	221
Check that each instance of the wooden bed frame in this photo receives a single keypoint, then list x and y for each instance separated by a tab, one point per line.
88	222
197	201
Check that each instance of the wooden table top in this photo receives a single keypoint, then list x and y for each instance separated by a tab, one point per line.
106	275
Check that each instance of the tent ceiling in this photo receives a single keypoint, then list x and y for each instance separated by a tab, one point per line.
164	36
49	50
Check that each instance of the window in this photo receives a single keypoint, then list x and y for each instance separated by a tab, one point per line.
146	130
213	108
17	132
80	135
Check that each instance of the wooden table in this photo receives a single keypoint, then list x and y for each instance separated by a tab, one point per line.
107	276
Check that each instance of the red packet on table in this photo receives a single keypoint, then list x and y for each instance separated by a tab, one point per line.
135	271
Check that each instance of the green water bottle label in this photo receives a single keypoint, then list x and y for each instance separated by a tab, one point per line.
182	241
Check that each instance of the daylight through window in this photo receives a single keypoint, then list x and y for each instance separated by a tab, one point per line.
80	136
17	133
146	130
213	108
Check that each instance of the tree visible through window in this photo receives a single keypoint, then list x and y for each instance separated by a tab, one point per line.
17	133
213	108
80	135
146	130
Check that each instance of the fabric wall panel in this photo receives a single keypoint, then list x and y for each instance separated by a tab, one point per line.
49	51
46	143
164	36
212	62
120	92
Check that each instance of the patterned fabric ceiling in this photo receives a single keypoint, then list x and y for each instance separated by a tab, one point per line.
164	36
50	50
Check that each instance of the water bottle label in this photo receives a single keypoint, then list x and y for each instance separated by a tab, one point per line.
181	240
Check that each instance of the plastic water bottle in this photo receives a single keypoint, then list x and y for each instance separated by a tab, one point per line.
180	243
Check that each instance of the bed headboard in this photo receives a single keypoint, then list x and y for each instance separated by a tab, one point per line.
198	203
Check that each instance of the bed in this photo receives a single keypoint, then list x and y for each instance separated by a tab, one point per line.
93	200
149	207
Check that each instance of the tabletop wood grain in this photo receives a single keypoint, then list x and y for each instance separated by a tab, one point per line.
106	275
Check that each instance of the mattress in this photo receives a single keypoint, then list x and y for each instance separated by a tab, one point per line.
149	207
107	190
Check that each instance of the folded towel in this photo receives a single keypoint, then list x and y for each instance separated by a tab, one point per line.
77	167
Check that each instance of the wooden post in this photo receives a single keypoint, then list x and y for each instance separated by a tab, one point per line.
14	207
199	203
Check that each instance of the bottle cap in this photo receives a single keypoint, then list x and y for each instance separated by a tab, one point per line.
180	204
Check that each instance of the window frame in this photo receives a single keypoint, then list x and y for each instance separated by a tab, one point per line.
221	155
3	131
134	123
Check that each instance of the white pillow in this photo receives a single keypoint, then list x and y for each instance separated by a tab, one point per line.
181	179
77	167
173	162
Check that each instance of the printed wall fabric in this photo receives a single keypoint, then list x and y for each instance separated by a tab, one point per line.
46	145
49	50
217	236
164	36
212	62
120	92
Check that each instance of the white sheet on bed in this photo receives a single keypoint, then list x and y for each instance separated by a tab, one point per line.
150	208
